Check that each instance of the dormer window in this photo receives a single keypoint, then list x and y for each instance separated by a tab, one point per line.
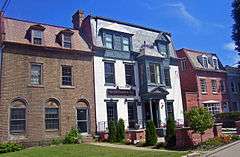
64	38
36	32
163	47
215	63
205	61
67	40
116	41
37	37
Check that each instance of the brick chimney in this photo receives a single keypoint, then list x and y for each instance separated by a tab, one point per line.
77	19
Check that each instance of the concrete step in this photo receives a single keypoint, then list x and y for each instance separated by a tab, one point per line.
87	139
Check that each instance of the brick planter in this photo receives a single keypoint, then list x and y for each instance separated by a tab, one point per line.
135	136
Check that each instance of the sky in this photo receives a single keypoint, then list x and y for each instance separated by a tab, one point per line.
203	25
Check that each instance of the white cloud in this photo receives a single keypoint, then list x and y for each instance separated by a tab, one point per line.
229	46
188	17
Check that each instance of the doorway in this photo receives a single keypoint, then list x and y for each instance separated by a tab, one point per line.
82	120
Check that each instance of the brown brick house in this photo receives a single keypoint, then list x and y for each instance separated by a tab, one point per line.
47	84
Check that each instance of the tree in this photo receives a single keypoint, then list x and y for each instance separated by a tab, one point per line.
236	25
200	119
170	137
151	134
120	130
112	132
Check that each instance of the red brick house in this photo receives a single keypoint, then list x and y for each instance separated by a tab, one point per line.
203	81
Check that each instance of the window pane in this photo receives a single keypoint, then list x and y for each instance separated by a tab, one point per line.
117	42
111	111
129	72
214	86
125	44
51	118
109	72
132	114
67	75
82	126
205	62
167	77
82	114
18	120
36	74
203	85
108	41
163	48
37	36
152	73
37	33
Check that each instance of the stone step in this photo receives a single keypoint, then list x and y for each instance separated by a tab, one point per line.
87	139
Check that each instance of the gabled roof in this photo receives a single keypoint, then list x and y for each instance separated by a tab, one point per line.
17	31
195	57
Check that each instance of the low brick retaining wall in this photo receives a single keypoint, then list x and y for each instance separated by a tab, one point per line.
135	136
186	137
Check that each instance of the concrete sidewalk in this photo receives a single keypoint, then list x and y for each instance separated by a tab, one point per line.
230	150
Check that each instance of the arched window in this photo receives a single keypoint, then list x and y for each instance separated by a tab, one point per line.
52	114
18	116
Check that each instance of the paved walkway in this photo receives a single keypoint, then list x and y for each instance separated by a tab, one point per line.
132	147
230	150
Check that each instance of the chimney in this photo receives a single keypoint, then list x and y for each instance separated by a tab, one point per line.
2	33
77	19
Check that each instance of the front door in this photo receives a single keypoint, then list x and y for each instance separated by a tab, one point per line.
82	120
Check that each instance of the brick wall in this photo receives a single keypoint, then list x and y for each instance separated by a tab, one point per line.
15	82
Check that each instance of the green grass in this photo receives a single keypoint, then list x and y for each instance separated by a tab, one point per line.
83	150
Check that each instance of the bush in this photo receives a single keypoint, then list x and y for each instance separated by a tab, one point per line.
227	118
151	134
170	137
72	137
10	147
211	143
235	137
112	132
56	141
120	130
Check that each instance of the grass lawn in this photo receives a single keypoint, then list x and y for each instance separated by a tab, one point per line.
84	150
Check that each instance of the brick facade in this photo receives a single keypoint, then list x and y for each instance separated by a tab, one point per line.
15	85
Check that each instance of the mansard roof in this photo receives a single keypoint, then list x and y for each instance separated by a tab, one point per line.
18	31
195	58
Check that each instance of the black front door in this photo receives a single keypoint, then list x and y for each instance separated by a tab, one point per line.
82	120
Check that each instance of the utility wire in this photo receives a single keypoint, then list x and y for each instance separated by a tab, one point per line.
5	5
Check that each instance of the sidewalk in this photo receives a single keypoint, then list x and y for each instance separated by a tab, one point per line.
132	147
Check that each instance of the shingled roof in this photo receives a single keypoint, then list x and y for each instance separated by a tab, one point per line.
16	31
195	59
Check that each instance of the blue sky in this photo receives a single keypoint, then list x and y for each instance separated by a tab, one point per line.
202	25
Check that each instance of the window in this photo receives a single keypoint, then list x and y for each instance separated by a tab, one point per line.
215	63
126	44
213	108
82	120
183	64
205	61
116	42
129	72
233	87
18	120
154	70
51	118
109	73
109	41
203	85
36	74
167	77
112	111
170	110
214	86
67	76
223	86
132	114
163	47
234	106
37	37
67	41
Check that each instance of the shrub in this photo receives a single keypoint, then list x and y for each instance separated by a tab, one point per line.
151	134
170	137
235	137
56	141
10	147
120	130
211	143
72	137
200	119
112	132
